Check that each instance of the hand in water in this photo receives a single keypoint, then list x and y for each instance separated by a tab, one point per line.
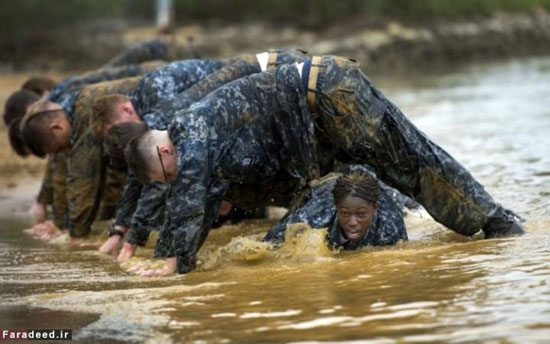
169	268
112	245
38	211
127	252
46	230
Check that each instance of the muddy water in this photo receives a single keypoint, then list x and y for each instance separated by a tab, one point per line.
437	288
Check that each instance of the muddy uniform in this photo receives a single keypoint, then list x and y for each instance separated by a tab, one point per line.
76	83
347	116
86	167
245	198
237	68
319	211
65	93
150	51
142	208
151	204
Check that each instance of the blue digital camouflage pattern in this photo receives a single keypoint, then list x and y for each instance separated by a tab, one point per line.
319	211
86	165
252	128
158	96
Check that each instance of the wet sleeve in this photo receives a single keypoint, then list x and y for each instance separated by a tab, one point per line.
128	203
85	178
149	214
45	195
59	192
188	202
318	212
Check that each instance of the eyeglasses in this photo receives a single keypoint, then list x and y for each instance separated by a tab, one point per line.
162	165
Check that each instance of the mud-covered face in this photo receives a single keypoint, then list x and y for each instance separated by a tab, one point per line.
355	216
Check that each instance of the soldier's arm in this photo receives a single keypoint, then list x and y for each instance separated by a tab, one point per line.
188	197
318	212
84	181
149	214
128	202
45	195
59	192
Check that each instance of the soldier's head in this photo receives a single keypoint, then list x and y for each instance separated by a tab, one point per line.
356	199
17	105
109	110
39	84
16	140
152	157
118	137
46	129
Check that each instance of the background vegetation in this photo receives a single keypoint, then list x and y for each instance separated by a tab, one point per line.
23	17
39	31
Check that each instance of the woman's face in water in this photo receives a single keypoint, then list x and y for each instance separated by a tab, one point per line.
355	216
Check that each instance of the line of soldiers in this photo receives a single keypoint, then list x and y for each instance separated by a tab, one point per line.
182	146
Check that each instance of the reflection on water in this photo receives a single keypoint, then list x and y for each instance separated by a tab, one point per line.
438	287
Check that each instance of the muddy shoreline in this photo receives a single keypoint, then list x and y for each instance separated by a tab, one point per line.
386	47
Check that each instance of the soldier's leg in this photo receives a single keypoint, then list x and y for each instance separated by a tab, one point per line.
367	128
44	198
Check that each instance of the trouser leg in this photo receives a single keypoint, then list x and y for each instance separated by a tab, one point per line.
365	127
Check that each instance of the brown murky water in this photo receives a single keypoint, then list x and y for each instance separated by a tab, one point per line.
439	287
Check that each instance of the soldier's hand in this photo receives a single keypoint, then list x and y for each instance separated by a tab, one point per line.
169	268
46	230
127	252
112	245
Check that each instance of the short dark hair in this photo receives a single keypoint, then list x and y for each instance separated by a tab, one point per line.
16	140
104	112
358	184
118	137
136	159
17	103
38	84
36	132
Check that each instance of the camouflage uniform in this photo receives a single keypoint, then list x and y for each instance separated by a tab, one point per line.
45	195
362	126
66	93
149	51
142	207
319	211
59	192
76	83
247	201
159	95
252	128
86	166
236	68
